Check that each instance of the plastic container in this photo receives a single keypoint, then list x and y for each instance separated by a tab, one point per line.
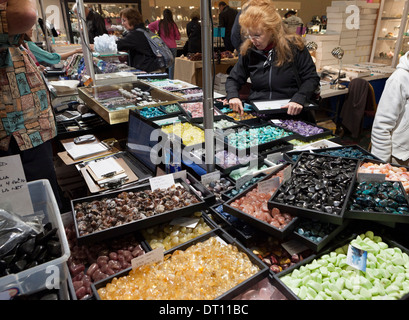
38	278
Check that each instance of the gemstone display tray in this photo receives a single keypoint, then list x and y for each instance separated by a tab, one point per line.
164	116
324	133
290	295
375	215
138	224
230	294
257	223
279	110
216	116
208	221
311	213
260	147
318	246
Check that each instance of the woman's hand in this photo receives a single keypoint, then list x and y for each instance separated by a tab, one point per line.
236	105
293	108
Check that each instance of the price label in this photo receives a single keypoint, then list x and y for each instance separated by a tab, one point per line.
210	177
154	256
242	180
162	182
287	173
274	157
185	222
294	247
357	258
371	177
268	185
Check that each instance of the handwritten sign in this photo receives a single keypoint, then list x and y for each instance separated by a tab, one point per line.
14	194
154	256
162	182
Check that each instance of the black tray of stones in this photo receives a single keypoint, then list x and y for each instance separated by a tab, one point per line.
233	160
351	151
400	173
218	240
175	233
245	139
154	113
197	117
348	283
282	229
282	147
273	252
218	187
224	124
139	208
318	188
384	201
306	131
227	195
233	225
92	262
316	234
171	109
203	192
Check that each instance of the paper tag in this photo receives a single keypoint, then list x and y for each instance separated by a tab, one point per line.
154	256
210	177
185	222
268	185
357	258
162	182
276	121
274	157
287	173
294	247
242	180
14	193
180	175
371	177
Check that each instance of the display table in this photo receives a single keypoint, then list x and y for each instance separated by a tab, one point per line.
191	71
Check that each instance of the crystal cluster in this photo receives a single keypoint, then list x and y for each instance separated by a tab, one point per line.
203	271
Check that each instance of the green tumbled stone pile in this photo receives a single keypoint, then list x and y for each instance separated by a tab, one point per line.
331	278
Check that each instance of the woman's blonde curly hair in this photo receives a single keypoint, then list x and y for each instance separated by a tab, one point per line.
262	14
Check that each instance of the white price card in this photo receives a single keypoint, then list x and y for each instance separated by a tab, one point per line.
210	177
357	258
294	247
14	193
162	182
154	256
370	177
242	180
185	222
268	185
287	173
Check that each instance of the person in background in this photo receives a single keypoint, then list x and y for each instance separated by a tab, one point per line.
135	42
43	56
226	20
390	129
269	57
27	119
95	23
194	33
169	32
292	21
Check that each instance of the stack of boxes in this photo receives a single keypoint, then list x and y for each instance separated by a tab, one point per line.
354	36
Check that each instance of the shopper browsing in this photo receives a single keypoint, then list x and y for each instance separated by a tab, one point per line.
194	33
95	23
135	42
226	21
27	120
169	32
390	129
269	57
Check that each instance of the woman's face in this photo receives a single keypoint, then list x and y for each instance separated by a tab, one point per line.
126	24
260	38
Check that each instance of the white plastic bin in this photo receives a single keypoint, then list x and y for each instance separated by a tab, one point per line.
47	275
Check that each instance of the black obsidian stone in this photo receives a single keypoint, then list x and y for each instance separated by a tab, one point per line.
321	183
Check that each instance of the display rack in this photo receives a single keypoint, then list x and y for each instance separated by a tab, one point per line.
391	32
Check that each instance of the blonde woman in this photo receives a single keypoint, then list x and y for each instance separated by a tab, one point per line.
277	63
